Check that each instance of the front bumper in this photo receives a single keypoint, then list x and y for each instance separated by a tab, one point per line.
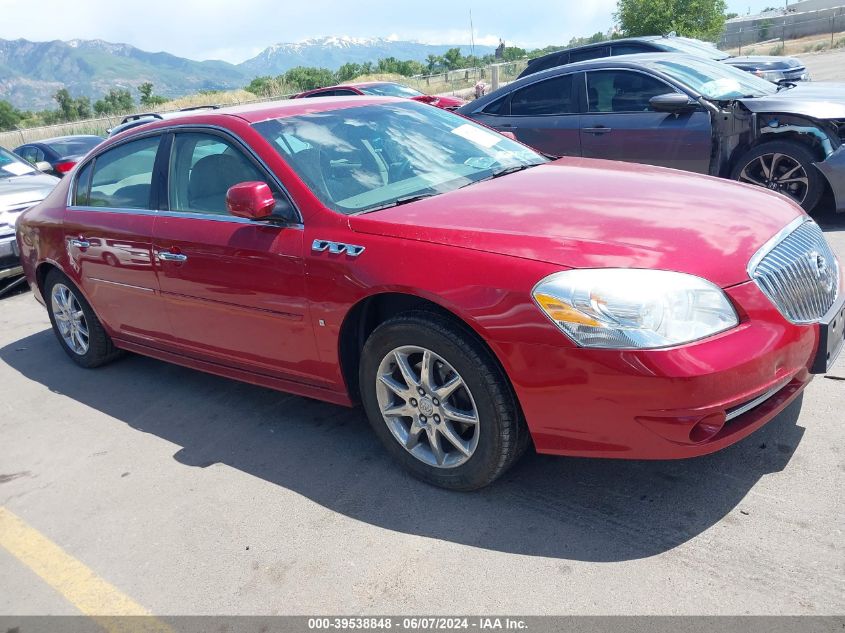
666	404
10	262
833	169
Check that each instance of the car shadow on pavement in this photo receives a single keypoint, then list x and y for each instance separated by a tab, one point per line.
567	508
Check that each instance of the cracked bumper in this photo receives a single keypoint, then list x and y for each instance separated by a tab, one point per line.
833	169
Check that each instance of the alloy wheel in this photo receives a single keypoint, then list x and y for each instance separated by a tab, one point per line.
427	406
70	319
778	172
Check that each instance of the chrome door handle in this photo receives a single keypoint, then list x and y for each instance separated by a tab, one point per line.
80	243
172	257
596	130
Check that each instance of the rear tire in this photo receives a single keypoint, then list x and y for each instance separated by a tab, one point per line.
75	325
794	173
462	440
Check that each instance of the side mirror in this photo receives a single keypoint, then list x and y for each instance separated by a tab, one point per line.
253	200
673	102
43	165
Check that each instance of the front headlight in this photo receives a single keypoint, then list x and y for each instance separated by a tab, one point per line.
625	308
771	75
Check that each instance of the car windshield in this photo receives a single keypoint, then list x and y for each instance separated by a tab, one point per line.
11	165
366	158
693	47
390	90
714	80
76	146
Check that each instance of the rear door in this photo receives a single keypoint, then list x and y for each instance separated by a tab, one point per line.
543	115
108	230
233	288
620	123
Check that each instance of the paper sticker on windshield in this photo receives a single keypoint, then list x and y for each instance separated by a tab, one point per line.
477	135
17	169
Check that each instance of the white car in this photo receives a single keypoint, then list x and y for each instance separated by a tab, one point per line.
21	186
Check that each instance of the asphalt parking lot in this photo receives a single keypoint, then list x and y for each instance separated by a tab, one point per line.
191	494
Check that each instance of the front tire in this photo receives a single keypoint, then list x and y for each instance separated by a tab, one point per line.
439	402
783	166
75	325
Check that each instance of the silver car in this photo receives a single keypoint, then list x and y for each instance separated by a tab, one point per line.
21	186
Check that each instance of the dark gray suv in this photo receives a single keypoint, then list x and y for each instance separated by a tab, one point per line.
769	67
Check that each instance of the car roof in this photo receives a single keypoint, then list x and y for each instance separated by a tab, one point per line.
637	59
59	139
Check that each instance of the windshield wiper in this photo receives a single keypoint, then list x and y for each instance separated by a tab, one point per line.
396	203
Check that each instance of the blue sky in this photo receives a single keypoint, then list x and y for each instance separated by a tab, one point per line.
235	31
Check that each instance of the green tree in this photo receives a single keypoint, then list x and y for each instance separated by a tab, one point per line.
148	99
308	78
349	71
116	101
432	62
703	19
453	59
9	116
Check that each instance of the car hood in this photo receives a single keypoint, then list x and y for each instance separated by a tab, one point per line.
28	189
580	213
816	99
764	62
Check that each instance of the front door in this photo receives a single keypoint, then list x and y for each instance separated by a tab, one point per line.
620	124
109	231
234	288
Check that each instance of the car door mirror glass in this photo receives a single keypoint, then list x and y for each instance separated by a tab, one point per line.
253	200
672	102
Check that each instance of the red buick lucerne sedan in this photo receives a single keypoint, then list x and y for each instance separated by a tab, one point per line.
475	297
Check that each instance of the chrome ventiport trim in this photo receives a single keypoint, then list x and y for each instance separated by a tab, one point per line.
336	248
735	412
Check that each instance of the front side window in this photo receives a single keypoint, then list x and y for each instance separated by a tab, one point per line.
365	158
122	177
623	91
202	169
628	49
549	97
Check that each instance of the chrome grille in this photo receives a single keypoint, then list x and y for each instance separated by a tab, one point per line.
798	272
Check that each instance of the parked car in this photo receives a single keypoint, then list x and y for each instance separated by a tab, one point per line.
141	118
383	89
21	186
58	155
473	295
684	112
770	67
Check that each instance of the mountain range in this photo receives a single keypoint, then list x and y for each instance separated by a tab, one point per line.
32	72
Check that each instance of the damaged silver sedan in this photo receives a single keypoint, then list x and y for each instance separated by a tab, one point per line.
682	112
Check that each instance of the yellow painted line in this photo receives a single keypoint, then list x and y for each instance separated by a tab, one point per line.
89	593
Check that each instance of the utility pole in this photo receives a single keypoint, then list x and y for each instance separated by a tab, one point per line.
471	34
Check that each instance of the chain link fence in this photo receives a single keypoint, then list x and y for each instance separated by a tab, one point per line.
781	28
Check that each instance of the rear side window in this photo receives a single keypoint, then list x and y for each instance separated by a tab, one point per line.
324	93
590	53
549	97
498	107
628	49
551	61
122	177
83	186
